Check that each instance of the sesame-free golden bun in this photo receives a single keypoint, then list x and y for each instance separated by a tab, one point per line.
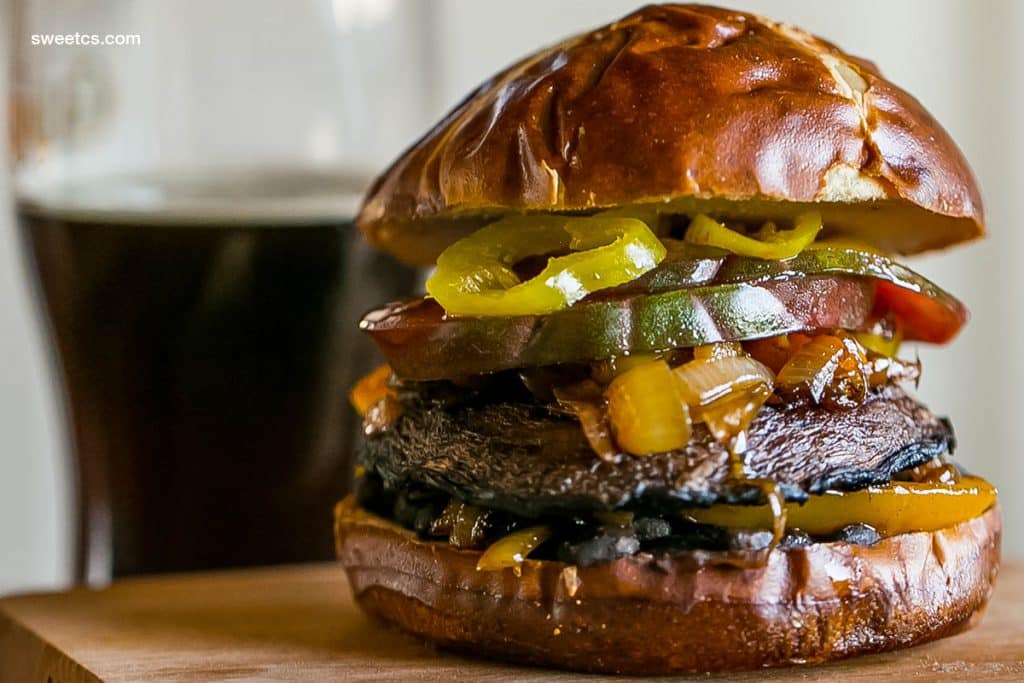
692	109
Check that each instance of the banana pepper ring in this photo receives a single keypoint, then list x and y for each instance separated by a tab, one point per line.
474	276
768	243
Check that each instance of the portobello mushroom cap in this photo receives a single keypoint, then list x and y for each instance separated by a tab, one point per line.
533	460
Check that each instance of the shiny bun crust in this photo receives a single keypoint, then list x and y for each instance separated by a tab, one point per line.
703	108
811	604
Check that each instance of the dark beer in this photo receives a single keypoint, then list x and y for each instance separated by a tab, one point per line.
205	360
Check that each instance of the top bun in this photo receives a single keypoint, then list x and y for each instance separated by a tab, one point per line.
697	109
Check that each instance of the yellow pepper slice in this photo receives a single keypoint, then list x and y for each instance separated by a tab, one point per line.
647	410
899	507
475	275
769	244
371	389
511	550
887	346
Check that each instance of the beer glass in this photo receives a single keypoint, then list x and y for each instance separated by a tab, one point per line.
185	176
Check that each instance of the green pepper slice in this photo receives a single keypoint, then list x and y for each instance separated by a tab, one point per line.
421	343
679	305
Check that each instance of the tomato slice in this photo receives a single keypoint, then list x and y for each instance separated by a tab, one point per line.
922	317
421	343
678	305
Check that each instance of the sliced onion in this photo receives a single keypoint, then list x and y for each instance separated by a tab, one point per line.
586	402
772	352
703	382
728	417
647	412
469	528
935	471
827	368
853	381
882	371
812	368
725	393
465	525
443	525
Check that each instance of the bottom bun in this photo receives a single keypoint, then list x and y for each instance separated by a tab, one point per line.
671	615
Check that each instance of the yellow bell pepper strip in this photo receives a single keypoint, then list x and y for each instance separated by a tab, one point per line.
647	410
475	276
371	389
899	507
511	550
883	345
769	244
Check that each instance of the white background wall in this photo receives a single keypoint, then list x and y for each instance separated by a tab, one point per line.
962	58
34	505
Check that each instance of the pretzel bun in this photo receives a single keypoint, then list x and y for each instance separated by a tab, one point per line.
674	614
693	109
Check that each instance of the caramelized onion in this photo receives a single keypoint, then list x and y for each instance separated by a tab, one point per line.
812	367
586	402
826	369
729	417
647	412
443	525
469	528
935	471
882	371
703	382
465	525
777	506
851	380
772	352
725	392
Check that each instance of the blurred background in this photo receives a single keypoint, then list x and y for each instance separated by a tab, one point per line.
961	58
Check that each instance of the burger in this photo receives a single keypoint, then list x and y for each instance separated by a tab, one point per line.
652	415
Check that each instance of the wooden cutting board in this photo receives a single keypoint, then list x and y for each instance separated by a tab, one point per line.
299	624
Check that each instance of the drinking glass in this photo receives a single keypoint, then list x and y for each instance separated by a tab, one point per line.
185	176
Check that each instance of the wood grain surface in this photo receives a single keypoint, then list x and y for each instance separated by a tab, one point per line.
299	624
